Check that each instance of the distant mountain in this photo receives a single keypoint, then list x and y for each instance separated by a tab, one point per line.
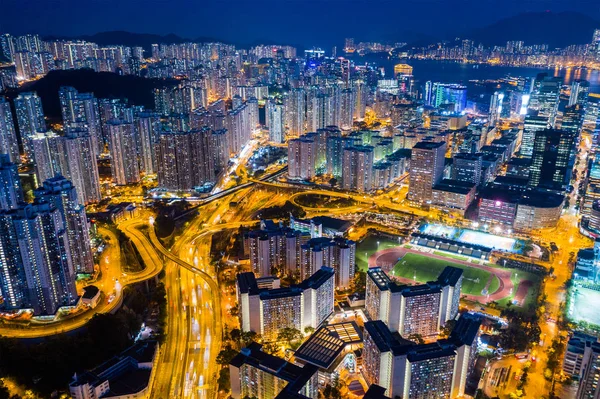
555	29
144	40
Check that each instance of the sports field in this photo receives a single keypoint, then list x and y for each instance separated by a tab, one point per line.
471	237
584	305
482	282
421	268
369	246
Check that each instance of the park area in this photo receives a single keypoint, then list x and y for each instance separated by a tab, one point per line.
482	282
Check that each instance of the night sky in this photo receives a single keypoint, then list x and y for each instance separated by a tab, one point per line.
297	22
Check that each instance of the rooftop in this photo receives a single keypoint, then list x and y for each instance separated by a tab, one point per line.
90	291
323	347
428	145
455	186
318	278
450	276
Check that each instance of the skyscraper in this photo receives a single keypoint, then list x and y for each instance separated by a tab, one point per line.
580	90
532	124
302	157
8	137
319	110
11	192
190	159
417	371
552	159
347	105
37	270
426	170
123	152
450	94
81	110
275	121
295	112
545	97
357	168
61	193
148	134
495	108
30	118
467	167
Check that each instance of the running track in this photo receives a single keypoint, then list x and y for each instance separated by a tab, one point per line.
391	256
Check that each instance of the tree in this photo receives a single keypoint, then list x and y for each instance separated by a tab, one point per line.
359	282
448	327
234	311
330	392
290	336
226	355
332	182
247	337
223	380
309	330
236	335
418	338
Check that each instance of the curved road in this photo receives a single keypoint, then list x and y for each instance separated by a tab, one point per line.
110	272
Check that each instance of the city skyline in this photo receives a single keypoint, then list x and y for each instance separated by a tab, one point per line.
370	220
283	22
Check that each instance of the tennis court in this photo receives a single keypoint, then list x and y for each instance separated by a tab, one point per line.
488	240
440	230
471	237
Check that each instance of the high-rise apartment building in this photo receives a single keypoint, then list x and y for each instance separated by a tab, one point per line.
275	121
337	253
11	192
9	144
81	110
36	270
147	126
238	124
419	309
61	193
267	309
256	374
418	371
123	151
426	170
302	157
319	112
192	159
72	156
295	112
30	119
357	168
274	248
335	153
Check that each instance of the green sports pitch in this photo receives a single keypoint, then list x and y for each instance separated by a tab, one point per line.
422	268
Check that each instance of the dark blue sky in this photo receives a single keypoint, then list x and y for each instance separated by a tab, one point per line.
302	22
